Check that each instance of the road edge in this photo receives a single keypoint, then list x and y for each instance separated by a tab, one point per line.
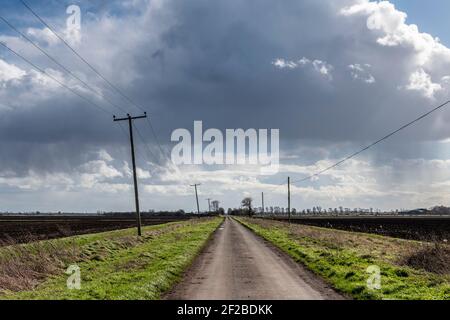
310	277
170	294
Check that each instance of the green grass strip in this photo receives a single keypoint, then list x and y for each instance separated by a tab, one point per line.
118	265
346	269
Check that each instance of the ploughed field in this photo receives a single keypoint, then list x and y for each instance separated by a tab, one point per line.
429	228
20	229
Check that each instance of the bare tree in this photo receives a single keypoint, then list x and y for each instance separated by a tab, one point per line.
247	203
215	205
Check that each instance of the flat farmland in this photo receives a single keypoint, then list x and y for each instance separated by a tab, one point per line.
428	228
19	229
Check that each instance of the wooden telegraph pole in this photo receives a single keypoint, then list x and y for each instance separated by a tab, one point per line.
209	205
196	195
289	199
262	202
129	118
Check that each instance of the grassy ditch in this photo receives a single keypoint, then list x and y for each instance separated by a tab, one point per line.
113	265
408	269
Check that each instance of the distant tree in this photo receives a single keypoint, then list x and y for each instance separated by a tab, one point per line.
215	205
440	210
247	204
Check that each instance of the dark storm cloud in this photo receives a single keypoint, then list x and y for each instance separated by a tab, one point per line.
218	55
54	137
214	61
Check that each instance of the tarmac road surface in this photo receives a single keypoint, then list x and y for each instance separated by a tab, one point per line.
237	264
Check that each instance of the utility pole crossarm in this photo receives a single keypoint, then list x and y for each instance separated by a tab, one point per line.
130	117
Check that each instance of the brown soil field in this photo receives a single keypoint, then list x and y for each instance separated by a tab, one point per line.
433	228
20	229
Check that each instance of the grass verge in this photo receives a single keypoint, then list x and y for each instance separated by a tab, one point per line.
342	258
113	265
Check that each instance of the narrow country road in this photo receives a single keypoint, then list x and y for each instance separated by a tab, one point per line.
237	264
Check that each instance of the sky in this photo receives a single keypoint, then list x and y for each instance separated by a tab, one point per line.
332	76
431	16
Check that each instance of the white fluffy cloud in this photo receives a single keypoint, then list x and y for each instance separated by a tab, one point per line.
104	155
427	54
9	72
93	175
361	72
43	35
282	64
421	81
390	23
321	67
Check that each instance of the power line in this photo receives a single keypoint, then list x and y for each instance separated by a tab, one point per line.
138	154
95	71
127	135
282	184
152	155
89	101
70	47
151	126
372	144
60	83
157	140
65	69
53	78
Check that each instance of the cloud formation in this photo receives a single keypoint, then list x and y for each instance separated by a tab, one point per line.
361	72
331	75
